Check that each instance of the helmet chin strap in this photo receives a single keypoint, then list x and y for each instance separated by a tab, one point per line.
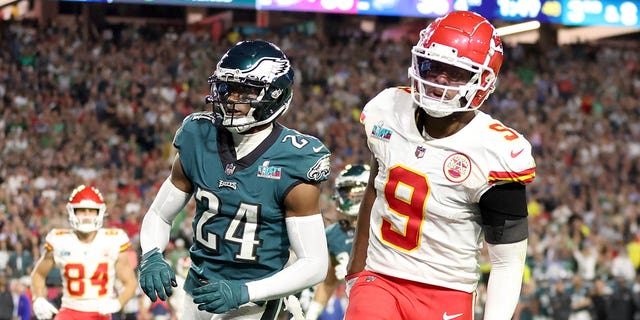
439	109
436	113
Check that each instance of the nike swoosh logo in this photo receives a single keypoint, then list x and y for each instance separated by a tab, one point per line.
317	149
445	316
515	154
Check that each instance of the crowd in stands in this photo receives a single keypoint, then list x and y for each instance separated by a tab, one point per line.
102	111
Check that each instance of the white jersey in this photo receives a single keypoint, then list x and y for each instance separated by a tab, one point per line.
88	269
425	221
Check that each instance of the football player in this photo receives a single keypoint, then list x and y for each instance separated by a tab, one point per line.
348	192
445	178
256	188
90	258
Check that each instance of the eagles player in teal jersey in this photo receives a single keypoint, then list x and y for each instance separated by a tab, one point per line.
256	188
348	192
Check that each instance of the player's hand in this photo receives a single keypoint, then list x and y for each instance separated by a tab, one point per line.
341	267
43	309
156	276
221	296
109	306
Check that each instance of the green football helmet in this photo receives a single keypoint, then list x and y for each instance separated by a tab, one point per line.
257	73
349	188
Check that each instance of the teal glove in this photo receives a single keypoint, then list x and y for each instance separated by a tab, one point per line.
221	296
156	275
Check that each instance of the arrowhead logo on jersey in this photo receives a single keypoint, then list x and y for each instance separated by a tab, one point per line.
380	132
457	167
264	171
420	152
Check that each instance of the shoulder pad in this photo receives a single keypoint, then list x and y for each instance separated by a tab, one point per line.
510	151
313	162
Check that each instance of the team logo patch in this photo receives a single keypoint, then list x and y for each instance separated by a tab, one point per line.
227	184
381	132
457	167
320	170
265	171
420	152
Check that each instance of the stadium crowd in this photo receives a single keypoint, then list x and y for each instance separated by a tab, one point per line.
102	111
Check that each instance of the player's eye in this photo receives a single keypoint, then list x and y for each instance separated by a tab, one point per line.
428	68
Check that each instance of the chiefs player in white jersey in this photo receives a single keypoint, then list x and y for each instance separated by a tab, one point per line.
89	257
445	177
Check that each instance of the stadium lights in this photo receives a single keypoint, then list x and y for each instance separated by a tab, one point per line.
518	27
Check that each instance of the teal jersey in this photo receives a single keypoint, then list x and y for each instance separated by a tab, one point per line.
239	225
339	238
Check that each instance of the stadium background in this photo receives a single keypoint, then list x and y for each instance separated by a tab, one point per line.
91	92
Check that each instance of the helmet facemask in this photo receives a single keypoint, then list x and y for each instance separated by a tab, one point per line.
86	198
348	198
229	96
349	188
254	73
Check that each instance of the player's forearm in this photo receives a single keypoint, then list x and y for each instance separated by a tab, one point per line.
156	224
309	243
358	256
38	287
323	292
505	279
128	292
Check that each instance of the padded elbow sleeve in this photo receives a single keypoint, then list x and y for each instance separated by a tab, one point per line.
504	213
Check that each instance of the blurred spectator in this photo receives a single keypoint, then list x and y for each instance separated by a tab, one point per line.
586	260
560	302
179	251
580	300
20	261
622	267
527	308
600	293
21	301
4	255
621	303
6	299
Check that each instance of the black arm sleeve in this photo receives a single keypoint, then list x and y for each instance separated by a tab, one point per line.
504	213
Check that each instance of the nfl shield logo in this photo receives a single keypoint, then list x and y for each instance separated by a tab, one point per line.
420	152
230	169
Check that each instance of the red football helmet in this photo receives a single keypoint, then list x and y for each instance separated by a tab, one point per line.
84	197
464	46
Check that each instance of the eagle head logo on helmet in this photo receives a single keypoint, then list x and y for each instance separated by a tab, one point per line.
85	197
